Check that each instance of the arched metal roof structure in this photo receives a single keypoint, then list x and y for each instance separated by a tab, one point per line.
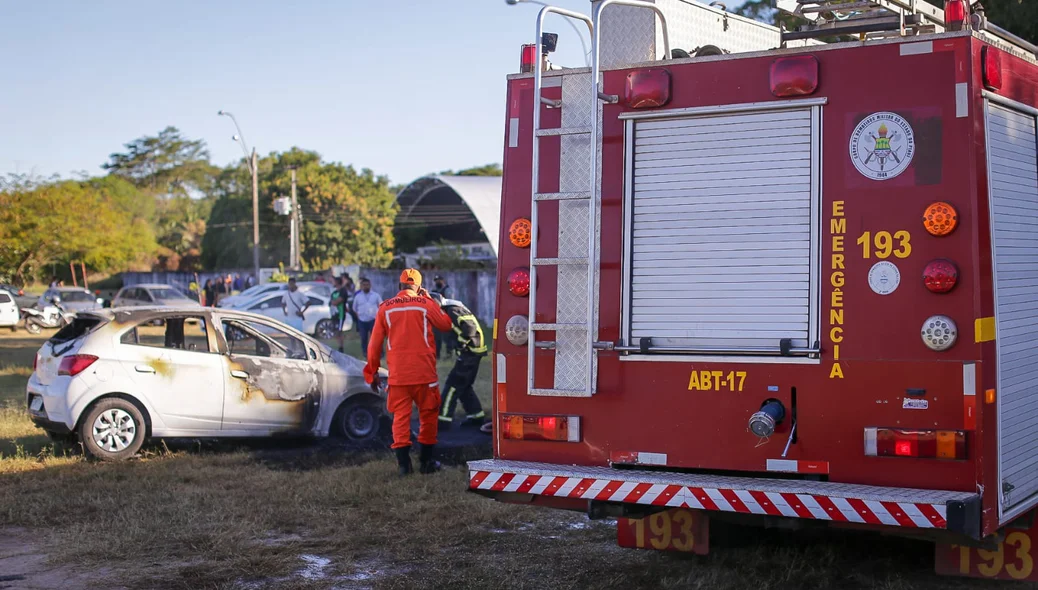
461	209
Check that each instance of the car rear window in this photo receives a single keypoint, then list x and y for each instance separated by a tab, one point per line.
80	326
5	298
77	296
168	295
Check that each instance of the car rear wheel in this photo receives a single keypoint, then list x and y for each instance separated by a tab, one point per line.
113	430
326	329
358	421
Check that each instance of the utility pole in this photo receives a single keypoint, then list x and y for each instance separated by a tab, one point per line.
255	216
295	254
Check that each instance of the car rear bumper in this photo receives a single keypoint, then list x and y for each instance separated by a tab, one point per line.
54	414
957	512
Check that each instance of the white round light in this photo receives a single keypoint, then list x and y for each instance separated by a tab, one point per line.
517	330
939	332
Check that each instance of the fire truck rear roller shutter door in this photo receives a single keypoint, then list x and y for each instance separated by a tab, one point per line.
1013	165
721	214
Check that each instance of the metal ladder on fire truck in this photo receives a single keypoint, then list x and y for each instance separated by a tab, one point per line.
576	315
870	18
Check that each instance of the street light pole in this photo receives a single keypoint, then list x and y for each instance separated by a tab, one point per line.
294	257
253	164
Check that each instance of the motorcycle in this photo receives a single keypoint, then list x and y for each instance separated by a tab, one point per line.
51	316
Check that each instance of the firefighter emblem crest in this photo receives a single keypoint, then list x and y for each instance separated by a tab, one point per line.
882	146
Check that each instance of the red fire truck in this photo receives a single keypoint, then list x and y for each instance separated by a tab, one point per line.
746	274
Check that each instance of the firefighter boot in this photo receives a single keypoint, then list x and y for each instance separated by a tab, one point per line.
425	457
403	459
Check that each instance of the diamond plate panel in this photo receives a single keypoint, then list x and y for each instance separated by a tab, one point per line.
628	36
575	164
692	25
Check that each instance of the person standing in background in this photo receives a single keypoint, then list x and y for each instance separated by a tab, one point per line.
443	339
472	347
237	285
338	304
365	306
209	292
294	303
250	281
351	290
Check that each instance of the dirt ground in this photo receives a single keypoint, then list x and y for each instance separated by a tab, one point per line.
320	515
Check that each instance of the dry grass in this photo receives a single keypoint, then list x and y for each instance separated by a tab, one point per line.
281	515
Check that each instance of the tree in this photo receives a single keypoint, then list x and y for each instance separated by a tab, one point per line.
1016	16
346	216
165	164
484	170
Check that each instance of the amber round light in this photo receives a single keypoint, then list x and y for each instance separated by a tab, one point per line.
519	233
940	276
940	219
519	282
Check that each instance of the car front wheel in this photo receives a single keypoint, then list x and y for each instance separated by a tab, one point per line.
326	330
358	421
113	430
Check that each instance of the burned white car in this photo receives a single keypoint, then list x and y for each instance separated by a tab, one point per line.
115	377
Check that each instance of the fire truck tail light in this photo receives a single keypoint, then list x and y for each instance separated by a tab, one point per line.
519	233
517	330
550	428
940	219
992	68
519	282
939	332
955	13
794	76
648	88
528	60
920	444
940	276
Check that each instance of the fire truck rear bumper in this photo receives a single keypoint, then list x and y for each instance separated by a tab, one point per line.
957	512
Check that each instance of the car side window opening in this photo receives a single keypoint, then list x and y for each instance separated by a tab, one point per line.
267	304
254	339
179	333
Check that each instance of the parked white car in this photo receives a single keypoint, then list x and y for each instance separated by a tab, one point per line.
240	300
317	320
151	294
112	378
9	314
74	299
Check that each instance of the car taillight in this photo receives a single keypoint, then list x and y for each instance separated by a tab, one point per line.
794	76
519	282
920	444
528	60
75	364
992	69
519	233
940	276
939	332
35	361
554	428
646	89
940	219
955	13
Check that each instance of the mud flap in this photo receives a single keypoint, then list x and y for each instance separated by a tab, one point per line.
1014	557
677	529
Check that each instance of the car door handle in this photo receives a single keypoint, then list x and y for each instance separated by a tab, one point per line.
239	374
144	369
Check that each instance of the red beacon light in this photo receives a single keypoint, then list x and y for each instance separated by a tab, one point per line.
528	60
955	14
940	276
519	282
992	68
648	88
794	76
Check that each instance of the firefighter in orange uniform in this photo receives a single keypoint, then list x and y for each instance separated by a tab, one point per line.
406	324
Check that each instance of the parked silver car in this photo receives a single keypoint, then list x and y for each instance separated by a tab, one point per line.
152	294
74	299
113	377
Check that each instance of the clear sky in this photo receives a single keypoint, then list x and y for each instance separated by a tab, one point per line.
403	87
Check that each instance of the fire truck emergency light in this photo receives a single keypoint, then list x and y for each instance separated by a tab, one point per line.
517	330
519	282
940	219
519	233
529	58
920	444
548	428
940	276
647	88
992	70
939	332
955	14
794	76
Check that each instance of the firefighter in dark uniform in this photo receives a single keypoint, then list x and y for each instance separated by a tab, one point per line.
471	347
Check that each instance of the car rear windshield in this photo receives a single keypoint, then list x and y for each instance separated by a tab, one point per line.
76	296
80	326
167	295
